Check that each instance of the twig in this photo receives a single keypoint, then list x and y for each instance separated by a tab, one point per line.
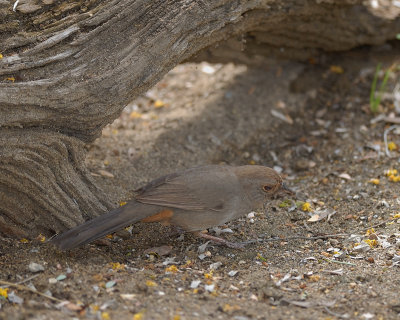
338	272
307	238
28	279
335	235
338	315
15	5
340	262
385	133
378	224
21	287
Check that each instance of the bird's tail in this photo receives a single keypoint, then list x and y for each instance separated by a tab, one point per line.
105	224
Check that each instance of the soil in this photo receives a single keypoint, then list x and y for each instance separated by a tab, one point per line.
312	122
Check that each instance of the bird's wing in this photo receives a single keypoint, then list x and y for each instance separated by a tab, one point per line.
189	190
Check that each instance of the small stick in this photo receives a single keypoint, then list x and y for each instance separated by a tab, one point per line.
28	279
335	235
378	224
306	238
341	262
385	140
21	287
343	316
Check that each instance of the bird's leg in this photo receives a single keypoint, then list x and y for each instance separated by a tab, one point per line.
234	245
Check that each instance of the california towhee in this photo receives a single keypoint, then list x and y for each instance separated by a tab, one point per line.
193	199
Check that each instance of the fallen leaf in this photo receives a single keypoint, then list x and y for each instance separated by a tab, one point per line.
105	173
345	176
314	218
321	214
336	69
73	307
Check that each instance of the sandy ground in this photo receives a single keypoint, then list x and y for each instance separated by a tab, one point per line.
331	252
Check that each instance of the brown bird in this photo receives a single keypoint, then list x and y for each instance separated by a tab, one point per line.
195	199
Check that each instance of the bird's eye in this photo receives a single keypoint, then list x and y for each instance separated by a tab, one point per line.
267	188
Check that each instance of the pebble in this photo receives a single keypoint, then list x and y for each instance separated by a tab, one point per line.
35	267
13	298
278	169
256	157
209	287
251	215
232	273
195	284
370	259
334	242
215	265
61	277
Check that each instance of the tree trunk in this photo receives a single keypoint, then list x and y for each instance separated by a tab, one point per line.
68	68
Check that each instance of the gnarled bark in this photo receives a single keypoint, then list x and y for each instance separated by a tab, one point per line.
69	68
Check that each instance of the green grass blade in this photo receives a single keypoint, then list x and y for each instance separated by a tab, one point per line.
372	100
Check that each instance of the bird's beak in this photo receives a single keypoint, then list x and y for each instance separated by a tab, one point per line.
286	190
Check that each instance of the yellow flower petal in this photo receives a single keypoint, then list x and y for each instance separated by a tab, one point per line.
392	146
391	172
306	207
172	269
151	283
4	293
375	181
371	243
370	231
105	316
117	266
138	316
135	115
336	69
159	104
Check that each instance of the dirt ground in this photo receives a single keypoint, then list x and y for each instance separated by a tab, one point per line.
330	252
